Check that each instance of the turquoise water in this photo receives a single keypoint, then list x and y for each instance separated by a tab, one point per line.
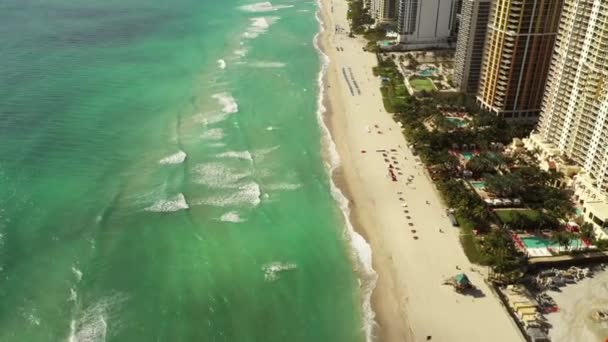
150	195
467	155
539	242
478	185
457	121
428	72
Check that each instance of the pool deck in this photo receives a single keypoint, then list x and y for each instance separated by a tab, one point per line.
582	258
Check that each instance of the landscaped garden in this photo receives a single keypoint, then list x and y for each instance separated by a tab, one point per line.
494	191
520	218
420	84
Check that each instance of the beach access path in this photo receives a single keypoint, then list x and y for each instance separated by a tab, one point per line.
410	301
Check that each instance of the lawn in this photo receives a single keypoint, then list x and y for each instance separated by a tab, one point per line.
469	242
422	84
507	216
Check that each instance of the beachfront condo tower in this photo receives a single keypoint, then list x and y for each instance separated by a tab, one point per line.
519	44
574	118
383	10
427	23
470	44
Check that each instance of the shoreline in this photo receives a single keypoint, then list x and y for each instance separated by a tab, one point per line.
371	300
360	250
408	301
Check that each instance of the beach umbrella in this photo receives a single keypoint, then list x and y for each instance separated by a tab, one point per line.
462	279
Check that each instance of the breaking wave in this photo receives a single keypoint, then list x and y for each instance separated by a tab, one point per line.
92	325
232	217
241	52
244	155
246	194
260	7
213	134
259	25
221	64
218	175
283	186
272	270
227	102
172	204
176	158
266	64
77	273
361	249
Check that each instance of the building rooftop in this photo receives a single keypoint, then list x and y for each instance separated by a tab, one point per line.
599	209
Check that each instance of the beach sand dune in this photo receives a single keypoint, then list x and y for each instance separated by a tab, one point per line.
410	301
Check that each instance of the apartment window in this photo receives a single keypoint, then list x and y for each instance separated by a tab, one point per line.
598	221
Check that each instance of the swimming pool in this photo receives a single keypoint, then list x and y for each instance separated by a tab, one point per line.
467	155
579	212
540	242
457	121
428	72
478	185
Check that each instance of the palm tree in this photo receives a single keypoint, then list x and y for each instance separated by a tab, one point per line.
562	238
587	232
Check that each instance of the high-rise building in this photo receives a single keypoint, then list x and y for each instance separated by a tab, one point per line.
427	23
470	44
519	44
574	116
383	10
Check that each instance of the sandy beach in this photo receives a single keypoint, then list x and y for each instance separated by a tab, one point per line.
409	300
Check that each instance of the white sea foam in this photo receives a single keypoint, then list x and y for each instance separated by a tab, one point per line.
232	217
283	186
176	203
221	64
245	194
272	270
227	102
73	295
77	273
176	158
266	64
362	251
241	52
260	154
218	175
213	134
245	155
210	118
91	325
260	7
258	26
270	128
216	145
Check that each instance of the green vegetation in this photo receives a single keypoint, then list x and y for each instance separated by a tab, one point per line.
358	16
469	242
394	94
587	232
502	256
515	176
468	205
562	238
521	219
422	84
485	163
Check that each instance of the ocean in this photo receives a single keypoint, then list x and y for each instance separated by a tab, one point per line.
165	176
